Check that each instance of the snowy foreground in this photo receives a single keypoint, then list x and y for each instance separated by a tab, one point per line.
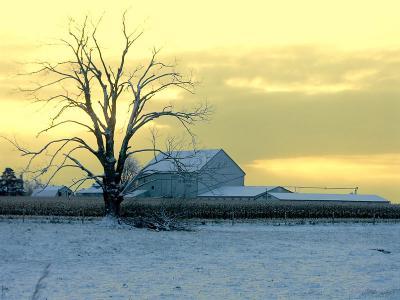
42	260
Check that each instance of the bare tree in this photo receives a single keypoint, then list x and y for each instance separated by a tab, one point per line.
97	90
31	185
131	170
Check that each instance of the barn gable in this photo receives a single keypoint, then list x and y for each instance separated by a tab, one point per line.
220	170
188	173
216	160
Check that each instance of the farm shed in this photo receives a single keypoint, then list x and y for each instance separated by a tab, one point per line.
184	174
52	191
242	192
94	191
339	198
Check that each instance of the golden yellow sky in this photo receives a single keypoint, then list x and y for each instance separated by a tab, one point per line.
304	92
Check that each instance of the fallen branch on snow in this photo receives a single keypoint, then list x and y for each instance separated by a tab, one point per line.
158	221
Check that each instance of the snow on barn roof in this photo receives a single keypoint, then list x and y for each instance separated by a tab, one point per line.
189	160
48	191
238	191
94	189
328	197
135	193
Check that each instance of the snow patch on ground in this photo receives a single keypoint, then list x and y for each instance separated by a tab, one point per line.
111	223
71	260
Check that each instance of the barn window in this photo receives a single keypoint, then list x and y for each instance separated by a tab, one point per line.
152	187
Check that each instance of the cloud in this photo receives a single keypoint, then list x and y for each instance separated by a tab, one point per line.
156	125
306	69
260	84
169	95
347	168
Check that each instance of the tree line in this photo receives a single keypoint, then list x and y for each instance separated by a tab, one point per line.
10	184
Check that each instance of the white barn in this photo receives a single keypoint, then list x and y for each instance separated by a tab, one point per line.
187	174
52	191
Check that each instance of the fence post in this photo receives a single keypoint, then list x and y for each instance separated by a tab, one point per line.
233	217
333	217
23	215
374	219
83	215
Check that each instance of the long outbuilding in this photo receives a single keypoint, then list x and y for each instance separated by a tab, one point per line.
94	191
52	191
242	192
279	193
340	198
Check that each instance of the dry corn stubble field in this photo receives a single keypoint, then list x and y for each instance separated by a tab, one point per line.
197	208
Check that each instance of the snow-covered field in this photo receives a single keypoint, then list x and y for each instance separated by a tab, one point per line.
218	261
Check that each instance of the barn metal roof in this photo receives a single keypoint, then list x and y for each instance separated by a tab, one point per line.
238	191
189	161
328	197
48	191
135	194
94	189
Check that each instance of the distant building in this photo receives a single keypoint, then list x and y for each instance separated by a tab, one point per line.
331	198
281	194
185	174
243	192
94	191
52	191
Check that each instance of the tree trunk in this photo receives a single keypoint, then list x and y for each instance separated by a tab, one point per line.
112	205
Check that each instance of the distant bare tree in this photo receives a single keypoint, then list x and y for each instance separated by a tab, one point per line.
131	170
98	89
31	185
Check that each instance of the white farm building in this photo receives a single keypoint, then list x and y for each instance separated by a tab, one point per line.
243	192
307	197
52	191
186	174
94	191
278	193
